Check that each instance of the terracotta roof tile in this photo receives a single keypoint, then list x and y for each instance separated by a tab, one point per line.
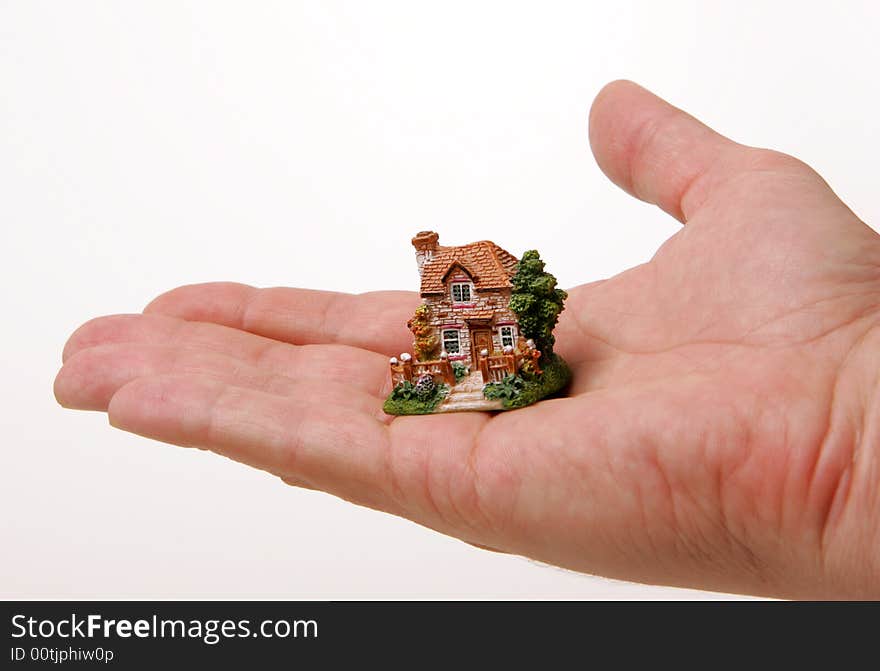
489	266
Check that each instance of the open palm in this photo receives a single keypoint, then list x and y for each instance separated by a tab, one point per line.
720	431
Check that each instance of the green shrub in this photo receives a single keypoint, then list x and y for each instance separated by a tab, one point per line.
411	399
508	389
460	371
517	392
405	391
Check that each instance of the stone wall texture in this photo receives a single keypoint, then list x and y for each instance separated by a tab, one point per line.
488	308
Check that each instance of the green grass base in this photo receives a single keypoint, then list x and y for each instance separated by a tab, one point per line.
554	379
414	406
556	375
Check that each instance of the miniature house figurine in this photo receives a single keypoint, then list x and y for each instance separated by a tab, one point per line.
479	333
467	289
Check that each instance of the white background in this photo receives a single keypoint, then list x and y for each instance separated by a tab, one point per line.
147	145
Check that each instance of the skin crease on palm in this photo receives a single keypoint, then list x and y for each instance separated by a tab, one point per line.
721	431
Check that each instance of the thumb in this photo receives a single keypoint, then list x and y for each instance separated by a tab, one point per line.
657	152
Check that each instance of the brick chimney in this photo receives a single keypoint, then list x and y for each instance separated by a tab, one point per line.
426	244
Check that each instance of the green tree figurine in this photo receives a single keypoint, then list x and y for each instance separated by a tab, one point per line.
536	302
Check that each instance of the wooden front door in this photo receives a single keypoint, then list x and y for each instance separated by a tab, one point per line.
480	339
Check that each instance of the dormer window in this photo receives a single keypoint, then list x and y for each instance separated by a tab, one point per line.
461	292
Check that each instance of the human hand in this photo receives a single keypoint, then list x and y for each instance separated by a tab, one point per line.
721	430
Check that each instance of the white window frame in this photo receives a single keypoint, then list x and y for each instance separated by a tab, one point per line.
513	334
470	291
456	339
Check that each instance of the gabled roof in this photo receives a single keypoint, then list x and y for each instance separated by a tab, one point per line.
489	266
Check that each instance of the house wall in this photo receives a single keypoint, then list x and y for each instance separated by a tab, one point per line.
490	304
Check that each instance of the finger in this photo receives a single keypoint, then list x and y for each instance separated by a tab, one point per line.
286	436
90	378
317	444
417	467
361	369
372	321
660	154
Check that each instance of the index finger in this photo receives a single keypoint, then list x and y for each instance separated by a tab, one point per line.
300	316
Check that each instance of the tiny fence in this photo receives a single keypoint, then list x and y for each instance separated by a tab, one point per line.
410	371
